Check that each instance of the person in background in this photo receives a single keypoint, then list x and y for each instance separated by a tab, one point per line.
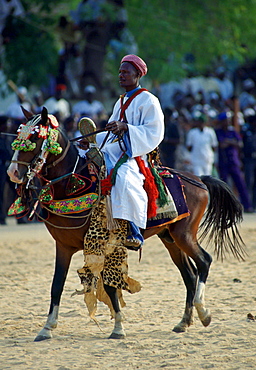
202	143
89	106
58	105
249	156
14	111
247	98
229	161
171	138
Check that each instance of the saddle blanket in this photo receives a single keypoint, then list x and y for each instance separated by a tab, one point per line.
175	187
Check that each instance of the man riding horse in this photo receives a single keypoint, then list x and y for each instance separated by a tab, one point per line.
138	117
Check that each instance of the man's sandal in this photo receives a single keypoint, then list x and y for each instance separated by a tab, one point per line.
87	126
132	243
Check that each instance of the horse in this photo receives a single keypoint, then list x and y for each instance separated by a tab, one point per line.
213	208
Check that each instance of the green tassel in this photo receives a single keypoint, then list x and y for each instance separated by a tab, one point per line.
163	199
119	163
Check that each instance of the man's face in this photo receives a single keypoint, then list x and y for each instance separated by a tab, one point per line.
128	76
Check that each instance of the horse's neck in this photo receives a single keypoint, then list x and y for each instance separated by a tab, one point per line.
57	166
59	173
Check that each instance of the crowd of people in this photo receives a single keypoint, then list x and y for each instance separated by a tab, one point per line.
205	133
209	131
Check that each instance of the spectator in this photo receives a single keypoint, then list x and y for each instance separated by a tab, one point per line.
171	138
58	105
229	163
226	87
249	156
89	107
246	98
183	161
14	110
201	142
70	126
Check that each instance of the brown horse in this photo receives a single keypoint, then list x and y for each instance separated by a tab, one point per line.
221	216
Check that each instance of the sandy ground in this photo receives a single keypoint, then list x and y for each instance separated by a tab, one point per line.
27	263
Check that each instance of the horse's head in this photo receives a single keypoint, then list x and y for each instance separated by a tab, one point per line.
36	140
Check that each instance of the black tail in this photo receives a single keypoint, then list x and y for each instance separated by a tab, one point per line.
222	216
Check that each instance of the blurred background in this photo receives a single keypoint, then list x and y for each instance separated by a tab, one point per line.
201	59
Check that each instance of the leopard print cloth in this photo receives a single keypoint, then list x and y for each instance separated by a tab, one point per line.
105	259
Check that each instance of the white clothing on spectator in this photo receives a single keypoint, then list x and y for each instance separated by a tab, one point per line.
202	143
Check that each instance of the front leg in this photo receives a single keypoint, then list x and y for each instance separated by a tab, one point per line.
63	258
118	331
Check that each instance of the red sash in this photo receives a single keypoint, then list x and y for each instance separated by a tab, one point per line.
149	183
125	105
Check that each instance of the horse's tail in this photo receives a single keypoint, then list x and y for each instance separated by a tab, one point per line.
223	214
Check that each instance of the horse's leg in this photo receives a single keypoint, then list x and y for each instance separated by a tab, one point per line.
184	234
62	262
199	302
189	275
118	332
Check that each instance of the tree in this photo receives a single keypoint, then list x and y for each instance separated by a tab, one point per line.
31	54
176	38
169	31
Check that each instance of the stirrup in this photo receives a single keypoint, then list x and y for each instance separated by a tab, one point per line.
133	243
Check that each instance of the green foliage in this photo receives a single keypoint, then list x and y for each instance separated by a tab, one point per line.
167	30
176	38
31	55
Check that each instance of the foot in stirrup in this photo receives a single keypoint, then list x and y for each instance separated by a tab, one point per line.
134	239
132	243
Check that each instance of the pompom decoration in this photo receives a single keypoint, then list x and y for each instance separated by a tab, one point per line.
25	145
52	145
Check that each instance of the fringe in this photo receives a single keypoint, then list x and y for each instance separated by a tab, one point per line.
112	223
160	216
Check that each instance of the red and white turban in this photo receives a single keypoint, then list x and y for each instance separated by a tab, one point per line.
137	62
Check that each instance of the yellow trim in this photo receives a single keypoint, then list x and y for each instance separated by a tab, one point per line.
178	218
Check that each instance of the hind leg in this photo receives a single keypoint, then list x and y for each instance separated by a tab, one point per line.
189	275
184	235
199	301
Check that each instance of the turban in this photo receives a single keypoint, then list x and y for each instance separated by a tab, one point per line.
137	62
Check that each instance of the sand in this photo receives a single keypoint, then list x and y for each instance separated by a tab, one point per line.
27	263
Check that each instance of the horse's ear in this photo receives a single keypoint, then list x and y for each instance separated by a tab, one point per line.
44	115
26	113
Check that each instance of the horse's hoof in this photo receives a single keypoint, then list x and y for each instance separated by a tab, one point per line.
179	329
116	336
39	338
207	320
43	335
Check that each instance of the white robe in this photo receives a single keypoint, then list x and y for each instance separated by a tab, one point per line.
145	122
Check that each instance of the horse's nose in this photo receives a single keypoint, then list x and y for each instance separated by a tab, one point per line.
14	174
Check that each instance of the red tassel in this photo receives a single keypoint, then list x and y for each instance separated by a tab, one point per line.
106	184
149	186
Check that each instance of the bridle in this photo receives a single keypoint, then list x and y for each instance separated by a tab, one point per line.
50	144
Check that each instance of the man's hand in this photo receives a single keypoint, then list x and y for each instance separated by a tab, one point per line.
117	127
83	144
